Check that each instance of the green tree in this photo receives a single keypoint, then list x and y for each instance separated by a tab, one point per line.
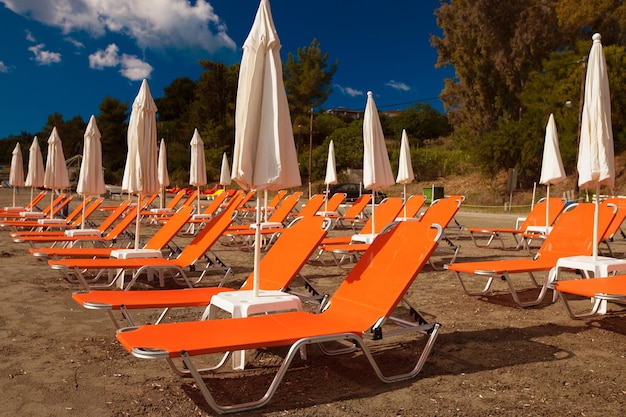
421	122
213	108
493	46
71	133
308	78
113	128
578	19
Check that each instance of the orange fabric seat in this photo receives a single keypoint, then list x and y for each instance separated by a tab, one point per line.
571	235
358	309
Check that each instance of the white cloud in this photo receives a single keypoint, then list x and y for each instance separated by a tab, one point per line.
152	24
3	68
107	58
29	36
76	43
396	85
349	91
132	67
44	57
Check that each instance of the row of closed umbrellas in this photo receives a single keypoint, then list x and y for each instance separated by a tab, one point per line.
264	155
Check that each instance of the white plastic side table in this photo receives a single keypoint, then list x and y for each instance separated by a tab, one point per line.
602	266
244	304
363	238
132	254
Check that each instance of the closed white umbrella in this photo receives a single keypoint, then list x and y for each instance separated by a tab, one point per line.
16	173
331	171
376	167
163	175
34	178
55	176
596	161
265	154
552	171
225	172
197	168
91	176
140	172
405	166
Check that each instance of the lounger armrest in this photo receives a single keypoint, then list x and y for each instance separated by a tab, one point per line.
610	297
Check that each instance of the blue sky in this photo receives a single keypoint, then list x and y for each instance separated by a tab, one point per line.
66	56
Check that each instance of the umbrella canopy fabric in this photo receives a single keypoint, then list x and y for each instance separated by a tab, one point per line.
91	176
264	155
377	172
16	173
331	166
225	172
197	168
376	167
596	161
34	178
55	175
140	172
162	173
595	155
552	171
405	166
331	171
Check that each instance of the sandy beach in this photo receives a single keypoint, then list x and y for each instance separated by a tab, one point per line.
491	357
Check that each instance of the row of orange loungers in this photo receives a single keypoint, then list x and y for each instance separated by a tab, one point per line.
571	235
441	211
387	257
32	205
365	300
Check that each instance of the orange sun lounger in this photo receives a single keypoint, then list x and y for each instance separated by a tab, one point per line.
95	236
191	257
158	241
360	310
571	235
599	290
242	234
537	217
440	212
73	220
278	268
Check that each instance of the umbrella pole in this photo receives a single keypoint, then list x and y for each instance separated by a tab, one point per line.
82	223
30	208
405	201
198	188
532	202
547	206
373	211
257	249
137	222
326	199
14	192
596	221
265	206
51	202
162	199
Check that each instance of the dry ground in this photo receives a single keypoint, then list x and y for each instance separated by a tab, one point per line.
491	358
